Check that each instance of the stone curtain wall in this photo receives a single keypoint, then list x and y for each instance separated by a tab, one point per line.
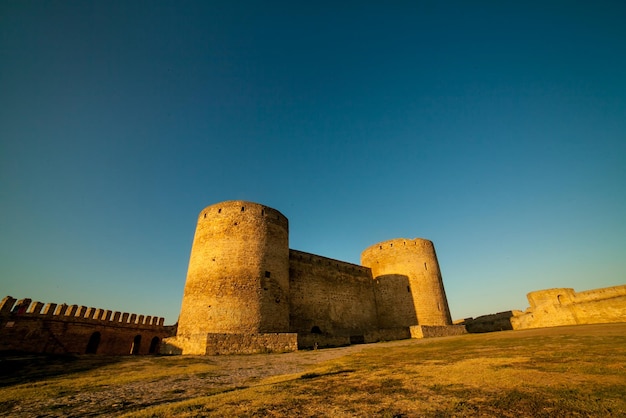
433	331
555	307
330	300
37	328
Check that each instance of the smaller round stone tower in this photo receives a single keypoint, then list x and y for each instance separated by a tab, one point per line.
416	259
238	275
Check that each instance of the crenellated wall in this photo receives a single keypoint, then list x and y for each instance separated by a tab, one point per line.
60	328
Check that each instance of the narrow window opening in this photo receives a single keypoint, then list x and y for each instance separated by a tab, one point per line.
262	212
205	215
219	210
391	245
408	289
243	208
268	274
425	268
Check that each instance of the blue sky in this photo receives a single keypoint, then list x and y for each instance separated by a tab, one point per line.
495	129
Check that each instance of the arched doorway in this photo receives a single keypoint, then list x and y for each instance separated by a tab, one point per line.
94	342
134	349
154	346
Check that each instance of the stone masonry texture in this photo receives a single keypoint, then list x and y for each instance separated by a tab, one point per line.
247	290
33	327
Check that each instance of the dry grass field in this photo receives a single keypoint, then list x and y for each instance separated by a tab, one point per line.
556	372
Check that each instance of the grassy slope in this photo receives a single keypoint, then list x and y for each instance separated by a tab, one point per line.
530	374
573	371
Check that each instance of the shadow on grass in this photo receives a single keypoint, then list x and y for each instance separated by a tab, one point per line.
315	375
24	368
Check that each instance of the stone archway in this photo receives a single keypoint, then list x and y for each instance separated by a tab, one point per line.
94	342
134	349
154	345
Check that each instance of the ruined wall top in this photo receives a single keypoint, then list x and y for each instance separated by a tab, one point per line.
566	296
11	307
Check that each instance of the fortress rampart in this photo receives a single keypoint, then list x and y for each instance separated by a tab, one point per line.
331	302
564	306
60	328
557	307
246	291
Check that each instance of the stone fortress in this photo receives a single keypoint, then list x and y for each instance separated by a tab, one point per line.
247	292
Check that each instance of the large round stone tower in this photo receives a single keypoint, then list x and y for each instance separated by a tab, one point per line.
238	275
416	259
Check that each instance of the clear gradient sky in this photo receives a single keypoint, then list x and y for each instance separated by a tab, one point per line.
495	129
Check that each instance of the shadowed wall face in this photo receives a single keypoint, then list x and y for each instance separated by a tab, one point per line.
394	301
417	260
238	275
330	297
53	328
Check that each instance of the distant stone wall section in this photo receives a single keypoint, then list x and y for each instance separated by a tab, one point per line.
500	321
564	306
557	307
35	327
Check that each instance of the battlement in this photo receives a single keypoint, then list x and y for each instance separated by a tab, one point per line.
26	308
